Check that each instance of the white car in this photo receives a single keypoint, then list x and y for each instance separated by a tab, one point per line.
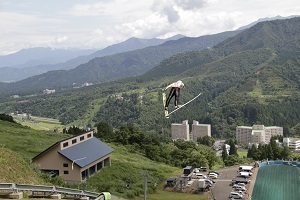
240	188
201	176
241	184
236	195
214	176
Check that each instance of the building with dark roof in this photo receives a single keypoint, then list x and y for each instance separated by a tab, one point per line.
75	159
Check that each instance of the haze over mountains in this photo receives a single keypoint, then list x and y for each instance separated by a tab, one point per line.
116	66
34	61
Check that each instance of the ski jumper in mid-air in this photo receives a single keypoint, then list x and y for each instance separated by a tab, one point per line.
175	91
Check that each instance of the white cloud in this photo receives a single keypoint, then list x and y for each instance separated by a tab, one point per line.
97	24
191	4
96	9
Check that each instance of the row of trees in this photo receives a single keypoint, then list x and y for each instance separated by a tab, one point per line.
178	153
269	151
231	157
6	117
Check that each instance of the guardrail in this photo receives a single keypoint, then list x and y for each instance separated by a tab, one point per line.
48	189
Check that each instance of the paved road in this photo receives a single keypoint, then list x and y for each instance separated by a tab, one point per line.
222	187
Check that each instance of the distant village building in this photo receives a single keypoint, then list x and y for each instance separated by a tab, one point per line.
292	143
16	96
46	91
182	130
257	134
119	96
75	159
87	84
200	130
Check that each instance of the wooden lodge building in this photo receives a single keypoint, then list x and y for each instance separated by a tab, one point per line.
75	159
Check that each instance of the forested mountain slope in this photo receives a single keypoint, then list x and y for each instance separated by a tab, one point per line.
117	66
252	77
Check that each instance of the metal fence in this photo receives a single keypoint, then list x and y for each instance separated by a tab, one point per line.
280	162
47	189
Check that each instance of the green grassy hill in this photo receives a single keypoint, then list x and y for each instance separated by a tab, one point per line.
25	141
19	144
14	169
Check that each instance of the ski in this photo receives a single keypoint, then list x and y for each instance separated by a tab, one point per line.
164	103
183	105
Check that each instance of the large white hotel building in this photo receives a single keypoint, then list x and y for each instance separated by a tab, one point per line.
257	134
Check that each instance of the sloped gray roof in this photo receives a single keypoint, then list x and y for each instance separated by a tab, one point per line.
91	150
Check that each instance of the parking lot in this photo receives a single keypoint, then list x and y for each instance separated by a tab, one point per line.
222	187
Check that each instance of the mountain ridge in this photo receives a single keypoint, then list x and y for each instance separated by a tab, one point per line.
120	65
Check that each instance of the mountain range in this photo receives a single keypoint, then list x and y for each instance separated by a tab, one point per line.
252	77
116	66
29	62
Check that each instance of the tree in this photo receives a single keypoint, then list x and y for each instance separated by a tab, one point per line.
104	130
255	152
233	150
276	149
270	154
8	118
286	152
231	160
263	151
206	140
224	152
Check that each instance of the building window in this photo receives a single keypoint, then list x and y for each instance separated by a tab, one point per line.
66	172
89	135
74	141
65	165
81	138
65	144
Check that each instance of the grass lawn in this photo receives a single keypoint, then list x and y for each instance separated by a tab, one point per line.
242	153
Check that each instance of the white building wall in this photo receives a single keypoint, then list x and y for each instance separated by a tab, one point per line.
257	133
292	143
180	131
200	130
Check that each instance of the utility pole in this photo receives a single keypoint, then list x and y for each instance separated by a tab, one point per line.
145	187
145	176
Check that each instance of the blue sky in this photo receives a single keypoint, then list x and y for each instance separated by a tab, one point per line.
100	23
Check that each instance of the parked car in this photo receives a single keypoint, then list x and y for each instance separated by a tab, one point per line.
196	170
238	185
209	181
241	192
241	184
203	169
200	176
212	171
213	176
236	195
240	188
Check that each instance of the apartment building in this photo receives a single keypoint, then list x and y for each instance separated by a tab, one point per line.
292	143
180	131
200	130
257	134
